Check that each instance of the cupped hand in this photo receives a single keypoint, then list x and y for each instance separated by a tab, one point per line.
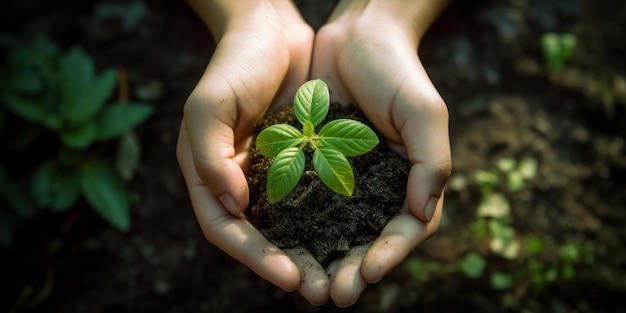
260	60
372	62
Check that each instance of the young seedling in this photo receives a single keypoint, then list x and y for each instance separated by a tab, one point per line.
335	141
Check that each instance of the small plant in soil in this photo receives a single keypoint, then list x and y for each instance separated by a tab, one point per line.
299	209
334	142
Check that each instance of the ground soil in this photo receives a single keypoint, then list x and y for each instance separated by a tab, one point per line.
485	59
314	217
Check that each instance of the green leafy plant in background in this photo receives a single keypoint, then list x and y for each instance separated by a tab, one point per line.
493	217
557	50
334	142
525	264
528	256
56	114
471	265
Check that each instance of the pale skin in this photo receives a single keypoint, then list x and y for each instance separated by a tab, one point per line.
367	55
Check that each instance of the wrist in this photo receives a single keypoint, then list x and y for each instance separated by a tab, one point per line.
222	16
413	17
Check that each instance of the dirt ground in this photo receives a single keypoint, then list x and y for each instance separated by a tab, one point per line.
485	59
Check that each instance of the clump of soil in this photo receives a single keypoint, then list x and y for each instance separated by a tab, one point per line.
314	217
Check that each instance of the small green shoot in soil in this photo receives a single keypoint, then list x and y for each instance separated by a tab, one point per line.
334	142
557	49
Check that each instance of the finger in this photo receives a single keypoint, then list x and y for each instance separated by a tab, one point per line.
232	234
211	129
324	63
422	120
347	284
232	96
314	281
399	237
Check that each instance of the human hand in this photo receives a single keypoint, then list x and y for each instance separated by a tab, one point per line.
262	56
367	55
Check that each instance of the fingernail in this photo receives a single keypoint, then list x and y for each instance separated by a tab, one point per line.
347	305
431	205
289	290
229	203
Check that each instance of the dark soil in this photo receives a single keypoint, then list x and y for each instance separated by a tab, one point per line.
485	59
314	217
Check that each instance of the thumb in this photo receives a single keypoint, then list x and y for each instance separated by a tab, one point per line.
219	155
424	132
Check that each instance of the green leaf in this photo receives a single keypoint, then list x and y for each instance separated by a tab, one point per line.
417	270
117	119
528	167
349	137
54	187
534	245
284	174
557	49
568	271
28	108
32	109
515	181
308	130
105	192
76	72
128	155
472	265
90	100
506	165
501	281
486	178
494	205
311	102
45	47
80	137
334	170
276	138
568	43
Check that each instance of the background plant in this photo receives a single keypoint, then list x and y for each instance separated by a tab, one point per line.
62	140
557	49
332	144
520	266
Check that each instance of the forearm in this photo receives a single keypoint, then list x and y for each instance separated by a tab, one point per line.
220	16
415	16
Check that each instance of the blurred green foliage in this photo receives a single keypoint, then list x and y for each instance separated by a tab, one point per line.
63	138
557	50
513	260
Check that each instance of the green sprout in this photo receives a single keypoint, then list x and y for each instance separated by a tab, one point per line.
557	49
334	142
